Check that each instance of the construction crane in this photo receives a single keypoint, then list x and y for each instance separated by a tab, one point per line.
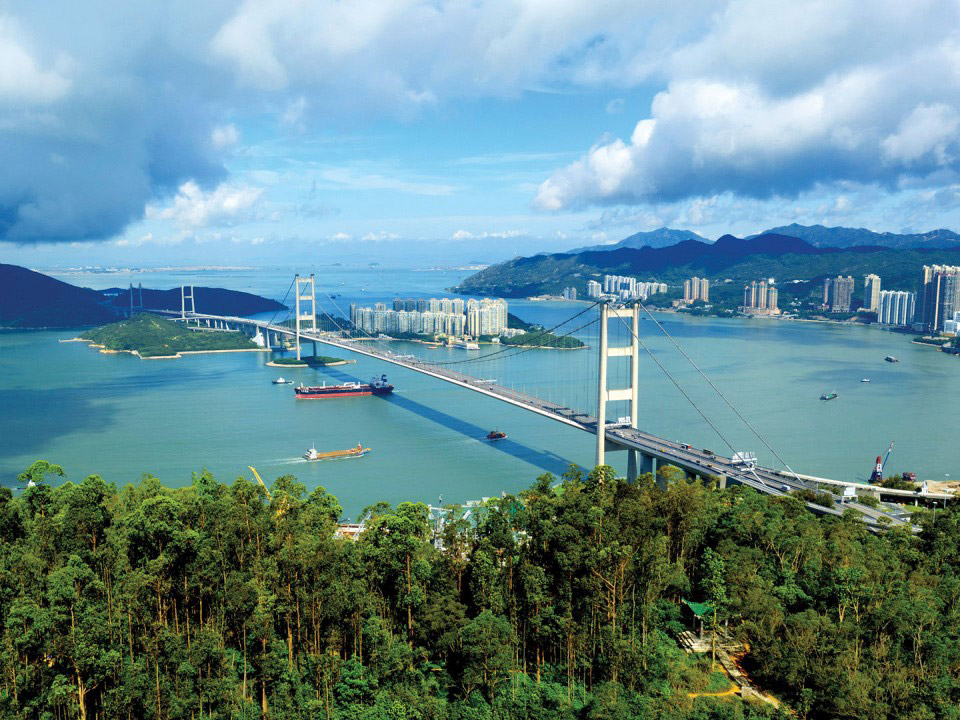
262	483
877	475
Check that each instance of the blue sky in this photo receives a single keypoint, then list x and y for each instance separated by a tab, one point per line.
444	131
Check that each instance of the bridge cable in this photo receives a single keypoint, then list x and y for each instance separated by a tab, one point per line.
485	357
282	302
722	396
678	386
726	442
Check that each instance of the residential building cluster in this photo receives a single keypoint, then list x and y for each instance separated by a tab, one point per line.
696	289
938	299
570	293
619	287
760	298
452	317
838	294
896	307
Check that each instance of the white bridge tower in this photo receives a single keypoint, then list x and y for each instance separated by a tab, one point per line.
307	321
630	394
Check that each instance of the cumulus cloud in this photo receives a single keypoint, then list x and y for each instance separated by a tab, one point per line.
844	96
225	136
487	234
194	208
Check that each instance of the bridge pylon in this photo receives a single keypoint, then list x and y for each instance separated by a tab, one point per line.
308	293
138	303
631	393
185	297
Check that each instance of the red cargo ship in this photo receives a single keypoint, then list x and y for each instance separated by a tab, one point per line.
376	386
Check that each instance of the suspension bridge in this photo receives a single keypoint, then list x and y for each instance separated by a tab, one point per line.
614	361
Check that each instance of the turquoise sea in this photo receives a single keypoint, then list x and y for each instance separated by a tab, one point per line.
120	417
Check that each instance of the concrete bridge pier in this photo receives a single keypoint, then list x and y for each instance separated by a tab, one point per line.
631	466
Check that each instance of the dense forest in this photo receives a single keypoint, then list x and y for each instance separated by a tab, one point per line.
155	336
211	601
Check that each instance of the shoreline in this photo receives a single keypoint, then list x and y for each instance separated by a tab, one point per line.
179	354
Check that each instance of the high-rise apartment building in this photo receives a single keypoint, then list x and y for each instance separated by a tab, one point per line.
626	288
871	293
486	317
838	293
896	307
939	296
594	289
414	316
759	298
696	289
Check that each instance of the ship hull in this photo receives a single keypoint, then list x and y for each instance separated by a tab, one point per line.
328	393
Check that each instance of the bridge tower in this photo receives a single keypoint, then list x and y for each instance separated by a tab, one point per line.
186	296
631	393
304	295
138	303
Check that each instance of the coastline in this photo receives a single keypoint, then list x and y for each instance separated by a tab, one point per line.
106	351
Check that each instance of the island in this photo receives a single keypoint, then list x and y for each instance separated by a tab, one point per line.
543	339
310	361
151	336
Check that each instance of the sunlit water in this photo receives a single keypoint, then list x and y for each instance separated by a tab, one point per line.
119	417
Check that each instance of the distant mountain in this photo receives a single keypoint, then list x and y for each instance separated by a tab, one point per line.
767	255
30	299
843	237
664	237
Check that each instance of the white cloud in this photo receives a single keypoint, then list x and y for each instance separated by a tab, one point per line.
22	79
192	207
488	234
340	237
225	136
348	178
381	236
761	113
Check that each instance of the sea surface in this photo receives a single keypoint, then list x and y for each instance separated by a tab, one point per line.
121	417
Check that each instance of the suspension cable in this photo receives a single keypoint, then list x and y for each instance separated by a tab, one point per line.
282	302
717	390
544	333
677	385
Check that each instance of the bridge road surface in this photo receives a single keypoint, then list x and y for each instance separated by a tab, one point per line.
698	462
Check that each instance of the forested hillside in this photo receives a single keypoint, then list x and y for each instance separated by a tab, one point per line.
208	601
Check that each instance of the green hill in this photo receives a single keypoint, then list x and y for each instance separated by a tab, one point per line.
153	336
30	299
737	260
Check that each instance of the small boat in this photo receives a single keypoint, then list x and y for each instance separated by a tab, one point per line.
891	358
282	381
828	396
865	380
496	435
358	451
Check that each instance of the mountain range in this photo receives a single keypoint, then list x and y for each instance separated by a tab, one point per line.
767	255
30	299
816	235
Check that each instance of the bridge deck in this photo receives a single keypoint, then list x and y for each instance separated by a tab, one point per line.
696	462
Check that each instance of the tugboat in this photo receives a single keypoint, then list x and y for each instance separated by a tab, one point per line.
891	358
828	396
281	381
376	386
358	451
496	435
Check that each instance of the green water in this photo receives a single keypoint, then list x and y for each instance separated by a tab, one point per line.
119	417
